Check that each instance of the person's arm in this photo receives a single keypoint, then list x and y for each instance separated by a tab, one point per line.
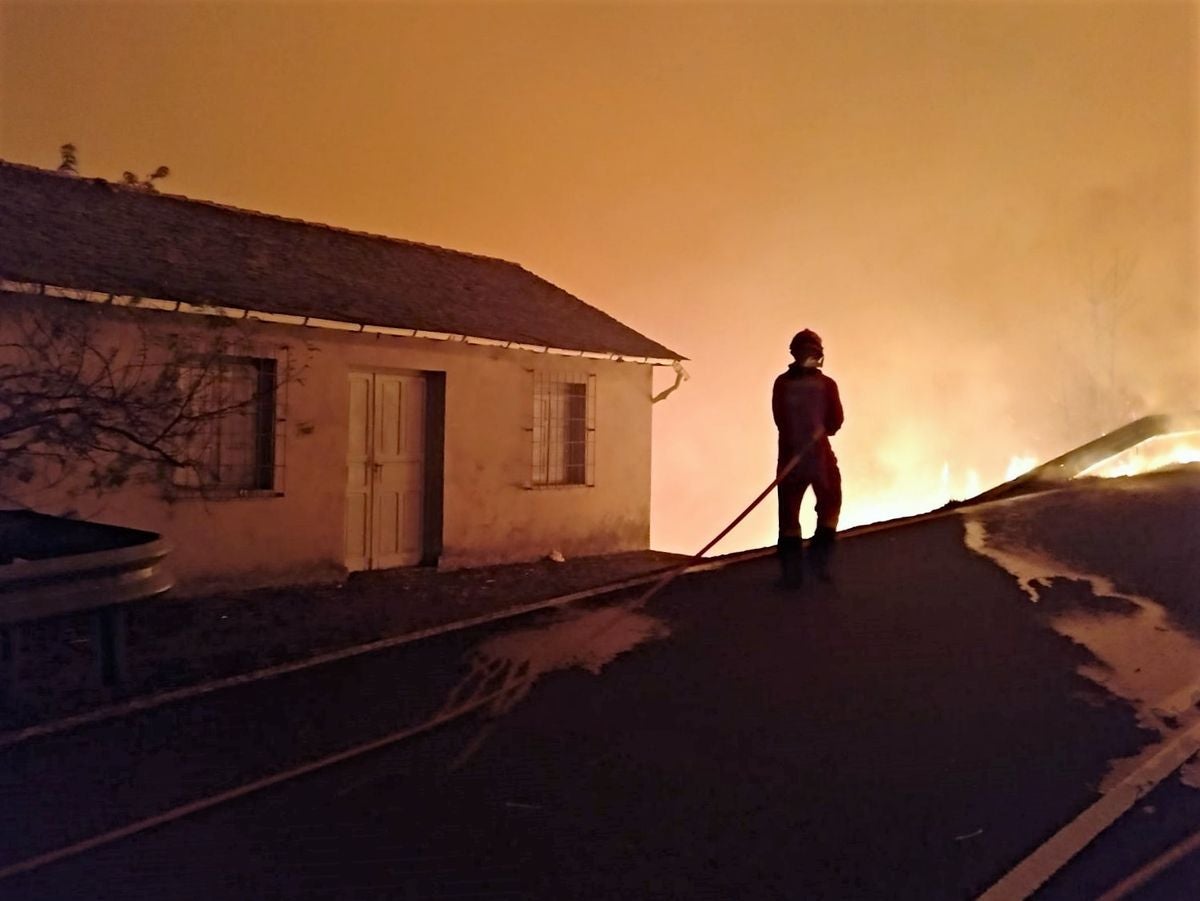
834	417
777	403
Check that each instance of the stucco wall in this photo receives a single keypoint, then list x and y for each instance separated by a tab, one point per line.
489	513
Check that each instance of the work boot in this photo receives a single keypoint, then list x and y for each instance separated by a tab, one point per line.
821	551
791	561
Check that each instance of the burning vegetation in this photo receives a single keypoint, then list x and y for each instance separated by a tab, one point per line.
1159	452
1145	445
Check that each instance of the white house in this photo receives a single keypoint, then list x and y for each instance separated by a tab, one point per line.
447	408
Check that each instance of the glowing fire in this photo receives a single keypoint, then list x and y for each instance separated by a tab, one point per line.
1153	453
1018	466
926	486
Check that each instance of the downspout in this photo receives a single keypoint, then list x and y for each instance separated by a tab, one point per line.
681	376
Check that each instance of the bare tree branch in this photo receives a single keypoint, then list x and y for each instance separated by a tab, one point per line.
78	401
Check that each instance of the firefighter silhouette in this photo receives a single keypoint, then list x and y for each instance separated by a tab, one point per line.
807	411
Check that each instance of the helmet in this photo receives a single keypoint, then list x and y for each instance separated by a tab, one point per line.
807	344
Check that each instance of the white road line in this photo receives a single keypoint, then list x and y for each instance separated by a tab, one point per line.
1032	872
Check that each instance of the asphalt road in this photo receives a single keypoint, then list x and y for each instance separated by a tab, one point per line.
912	735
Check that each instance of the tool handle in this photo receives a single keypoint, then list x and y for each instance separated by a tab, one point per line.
783	472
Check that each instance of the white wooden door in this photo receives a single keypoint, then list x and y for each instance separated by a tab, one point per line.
385	466
358	473
398	470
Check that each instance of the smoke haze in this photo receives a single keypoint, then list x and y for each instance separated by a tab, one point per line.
987	210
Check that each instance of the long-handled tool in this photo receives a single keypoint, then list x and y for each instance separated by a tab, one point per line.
670	576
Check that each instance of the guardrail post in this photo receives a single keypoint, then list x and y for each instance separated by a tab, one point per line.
110	643
10	646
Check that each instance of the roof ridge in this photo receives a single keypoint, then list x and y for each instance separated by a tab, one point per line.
246	211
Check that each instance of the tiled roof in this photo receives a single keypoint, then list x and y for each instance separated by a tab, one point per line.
89	234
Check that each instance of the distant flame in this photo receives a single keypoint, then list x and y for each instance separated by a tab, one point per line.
1018	466
1153	453
925	488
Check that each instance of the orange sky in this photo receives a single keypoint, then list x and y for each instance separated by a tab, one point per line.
936	188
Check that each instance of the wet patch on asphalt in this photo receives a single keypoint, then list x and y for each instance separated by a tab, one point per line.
1140	654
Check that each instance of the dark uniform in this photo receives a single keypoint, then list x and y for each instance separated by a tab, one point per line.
807	411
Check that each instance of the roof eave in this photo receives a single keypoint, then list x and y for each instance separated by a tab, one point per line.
179	306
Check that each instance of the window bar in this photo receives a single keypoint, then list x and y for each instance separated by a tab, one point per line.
279	418
264	424
558	430
217	392
590	433
528	426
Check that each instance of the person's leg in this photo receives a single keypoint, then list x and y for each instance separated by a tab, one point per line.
791	546
828	489
791	493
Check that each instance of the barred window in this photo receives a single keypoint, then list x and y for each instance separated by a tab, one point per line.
563	430
236	445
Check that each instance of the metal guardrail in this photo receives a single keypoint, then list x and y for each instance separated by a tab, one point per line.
54	566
